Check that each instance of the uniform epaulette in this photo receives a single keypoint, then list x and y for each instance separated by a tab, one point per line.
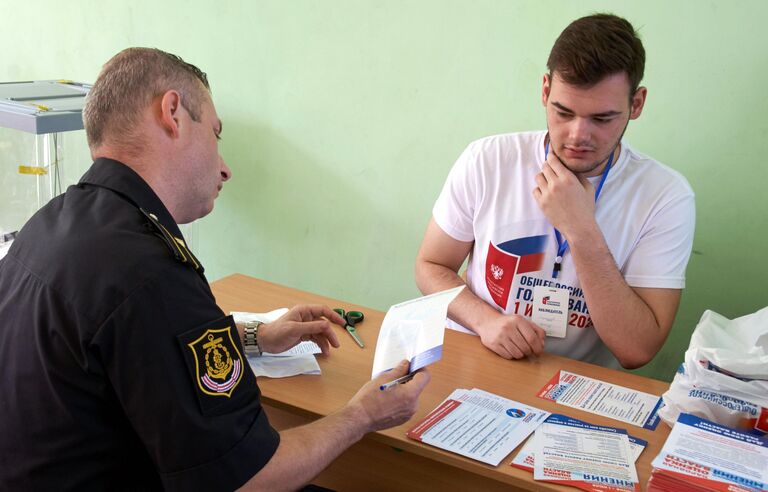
176	245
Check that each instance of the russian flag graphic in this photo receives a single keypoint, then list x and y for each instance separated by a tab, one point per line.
506	260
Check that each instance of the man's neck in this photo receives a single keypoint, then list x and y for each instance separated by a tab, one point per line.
599	170
150	168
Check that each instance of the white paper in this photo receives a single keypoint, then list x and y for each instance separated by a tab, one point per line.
4	247
526	458
550	310
242	317
478	425
283	367
302	348
601	398
570	450
413	330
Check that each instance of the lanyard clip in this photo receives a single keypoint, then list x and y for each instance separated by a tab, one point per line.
557	266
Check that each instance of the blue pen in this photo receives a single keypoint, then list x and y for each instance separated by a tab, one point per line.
395	382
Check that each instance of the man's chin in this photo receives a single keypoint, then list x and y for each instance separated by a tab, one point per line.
581	167
197	215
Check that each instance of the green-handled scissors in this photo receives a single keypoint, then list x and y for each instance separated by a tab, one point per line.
352	318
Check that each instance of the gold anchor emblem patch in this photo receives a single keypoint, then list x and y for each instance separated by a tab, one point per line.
217	361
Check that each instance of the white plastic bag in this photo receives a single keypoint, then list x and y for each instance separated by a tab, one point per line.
725	374
739	346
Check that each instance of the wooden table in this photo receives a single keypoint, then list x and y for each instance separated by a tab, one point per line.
388	460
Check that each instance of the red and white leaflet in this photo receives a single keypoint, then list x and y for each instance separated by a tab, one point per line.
583	455
525	458
478	425
601	398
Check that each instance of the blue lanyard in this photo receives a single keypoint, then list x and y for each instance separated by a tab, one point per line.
562	246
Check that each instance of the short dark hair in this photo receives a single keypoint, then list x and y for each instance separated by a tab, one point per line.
596	46
127	85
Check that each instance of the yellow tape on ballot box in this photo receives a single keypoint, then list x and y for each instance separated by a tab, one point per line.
39	171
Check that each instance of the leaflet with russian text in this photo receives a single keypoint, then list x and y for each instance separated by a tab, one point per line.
478	425
601	398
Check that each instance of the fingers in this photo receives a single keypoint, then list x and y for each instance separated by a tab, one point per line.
502	350
527	341
400	370
548	173
321	342
302	328
516	338
333	316
537	195
587	184
541	181
418	383
533	336
555	164
312	312
319	331
544	180
514	350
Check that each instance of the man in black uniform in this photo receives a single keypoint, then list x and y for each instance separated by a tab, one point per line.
119	371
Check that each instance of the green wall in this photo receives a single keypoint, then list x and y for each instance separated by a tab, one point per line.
342	119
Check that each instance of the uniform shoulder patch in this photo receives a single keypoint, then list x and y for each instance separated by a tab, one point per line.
216	358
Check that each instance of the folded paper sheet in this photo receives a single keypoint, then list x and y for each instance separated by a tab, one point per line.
413	330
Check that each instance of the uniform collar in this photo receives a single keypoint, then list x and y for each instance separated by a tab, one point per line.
123	180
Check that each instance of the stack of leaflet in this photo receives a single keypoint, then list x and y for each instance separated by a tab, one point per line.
478	425
700	455
571	452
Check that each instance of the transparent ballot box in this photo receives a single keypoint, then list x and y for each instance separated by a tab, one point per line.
36	118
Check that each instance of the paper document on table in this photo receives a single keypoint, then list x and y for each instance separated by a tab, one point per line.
526	458
478	425
584	455
284	367
413	330
303	348
601	398
299	359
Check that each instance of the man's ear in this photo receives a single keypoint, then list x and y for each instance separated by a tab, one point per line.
170	109
637	103
546	86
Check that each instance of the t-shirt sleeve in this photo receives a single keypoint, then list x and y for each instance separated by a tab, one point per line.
664	246
455	207
177	368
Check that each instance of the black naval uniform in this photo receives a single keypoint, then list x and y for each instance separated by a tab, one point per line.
118	369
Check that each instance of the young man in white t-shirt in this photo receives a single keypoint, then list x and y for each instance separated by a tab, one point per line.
571	216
